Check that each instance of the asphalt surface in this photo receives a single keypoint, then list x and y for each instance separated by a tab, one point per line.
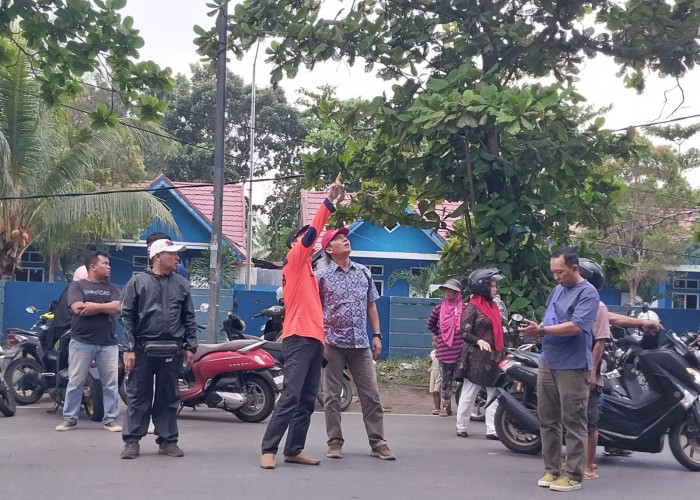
221	461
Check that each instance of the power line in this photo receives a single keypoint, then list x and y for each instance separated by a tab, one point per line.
657	123
141	190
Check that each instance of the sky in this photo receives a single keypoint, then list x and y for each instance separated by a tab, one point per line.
166	27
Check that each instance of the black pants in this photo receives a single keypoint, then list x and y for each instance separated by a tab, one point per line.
141	403
302	371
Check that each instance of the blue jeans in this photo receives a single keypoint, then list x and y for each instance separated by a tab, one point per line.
80	356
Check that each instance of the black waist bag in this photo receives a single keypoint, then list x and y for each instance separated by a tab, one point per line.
161	348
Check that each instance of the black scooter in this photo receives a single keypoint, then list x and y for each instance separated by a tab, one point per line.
633	418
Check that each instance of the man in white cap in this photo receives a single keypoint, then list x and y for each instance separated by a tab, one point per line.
145	323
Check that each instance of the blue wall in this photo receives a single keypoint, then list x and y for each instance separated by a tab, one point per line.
369	237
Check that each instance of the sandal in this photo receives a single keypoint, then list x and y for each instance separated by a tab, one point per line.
616	452
590	475
436	411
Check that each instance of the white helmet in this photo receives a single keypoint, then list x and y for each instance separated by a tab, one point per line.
278	293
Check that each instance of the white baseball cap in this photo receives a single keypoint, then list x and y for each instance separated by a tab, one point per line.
159	246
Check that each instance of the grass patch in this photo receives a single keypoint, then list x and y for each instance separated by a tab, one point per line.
410	372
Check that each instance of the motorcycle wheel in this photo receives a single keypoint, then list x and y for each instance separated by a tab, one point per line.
345	394
93	404
8	405
479	409
19	369
685	445
260	399
512	436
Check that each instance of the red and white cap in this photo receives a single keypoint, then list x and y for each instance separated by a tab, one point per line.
159	246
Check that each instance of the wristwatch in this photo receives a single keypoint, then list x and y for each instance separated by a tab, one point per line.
541	331
377	336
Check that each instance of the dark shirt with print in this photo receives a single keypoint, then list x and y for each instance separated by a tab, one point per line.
97	328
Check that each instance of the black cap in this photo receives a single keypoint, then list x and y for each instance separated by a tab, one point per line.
294	233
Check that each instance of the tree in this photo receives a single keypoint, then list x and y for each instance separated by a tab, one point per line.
198	269
190	119
62	40
43	190
462	124
656	217
419	283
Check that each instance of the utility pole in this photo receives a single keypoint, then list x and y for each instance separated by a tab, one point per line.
219	144
251	155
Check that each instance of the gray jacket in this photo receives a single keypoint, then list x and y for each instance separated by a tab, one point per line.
157	308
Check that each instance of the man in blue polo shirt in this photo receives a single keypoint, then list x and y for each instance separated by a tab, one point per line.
562	378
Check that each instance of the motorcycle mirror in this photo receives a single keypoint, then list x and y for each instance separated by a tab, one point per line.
516	317
204	307
31	309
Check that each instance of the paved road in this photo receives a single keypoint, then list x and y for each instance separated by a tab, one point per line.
221	461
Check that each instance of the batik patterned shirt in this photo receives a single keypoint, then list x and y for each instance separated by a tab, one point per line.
344	298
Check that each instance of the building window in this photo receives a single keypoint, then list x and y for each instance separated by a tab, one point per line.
380	286
376	270
32	257
29	274
688	284
140	261
685	300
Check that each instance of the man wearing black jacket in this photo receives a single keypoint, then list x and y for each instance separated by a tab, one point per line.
158	330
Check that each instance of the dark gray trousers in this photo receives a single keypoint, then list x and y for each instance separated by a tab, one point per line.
302	371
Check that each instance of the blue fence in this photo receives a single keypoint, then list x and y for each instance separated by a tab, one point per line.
402	319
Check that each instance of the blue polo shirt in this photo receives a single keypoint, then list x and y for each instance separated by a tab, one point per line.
578	304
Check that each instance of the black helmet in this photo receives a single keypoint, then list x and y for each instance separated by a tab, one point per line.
479	281
592	272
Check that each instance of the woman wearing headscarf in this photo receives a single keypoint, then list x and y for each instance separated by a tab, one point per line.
482	331
444	323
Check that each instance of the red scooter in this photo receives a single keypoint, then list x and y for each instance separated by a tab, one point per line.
236	376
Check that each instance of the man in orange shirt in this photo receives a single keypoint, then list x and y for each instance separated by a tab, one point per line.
302	342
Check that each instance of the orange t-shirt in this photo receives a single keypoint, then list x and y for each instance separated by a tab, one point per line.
303	315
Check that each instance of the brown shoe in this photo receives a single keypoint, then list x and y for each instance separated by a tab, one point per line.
301	458
335	449
383	452
267	460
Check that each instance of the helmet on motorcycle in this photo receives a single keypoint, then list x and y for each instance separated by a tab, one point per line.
592	272
645	307
479	281
278	293
80	274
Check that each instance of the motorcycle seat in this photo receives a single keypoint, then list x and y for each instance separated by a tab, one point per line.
22	331
232	345
530	358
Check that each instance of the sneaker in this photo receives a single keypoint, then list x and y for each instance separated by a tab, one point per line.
335	449
383	452
112	426
131	450
547	479
170	449
443	412
462	432
67	425
565	483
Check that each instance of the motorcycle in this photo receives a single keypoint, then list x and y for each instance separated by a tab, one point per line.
41	365
632	418
233	376
8	405
271	331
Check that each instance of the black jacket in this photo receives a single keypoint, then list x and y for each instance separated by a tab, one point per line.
157	308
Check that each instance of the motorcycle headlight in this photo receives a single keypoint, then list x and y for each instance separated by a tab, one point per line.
695	376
